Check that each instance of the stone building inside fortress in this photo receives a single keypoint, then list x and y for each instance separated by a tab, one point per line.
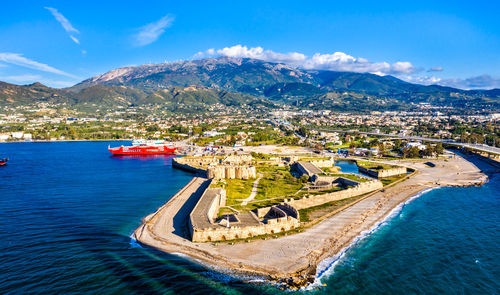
230	167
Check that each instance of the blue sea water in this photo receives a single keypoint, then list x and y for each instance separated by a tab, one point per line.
67	210
347	166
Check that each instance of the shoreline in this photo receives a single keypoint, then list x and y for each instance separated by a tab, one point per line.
296	259
330	263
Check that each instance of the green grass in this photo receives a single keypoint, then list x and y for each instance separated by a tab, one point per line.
374	166
238	189
389	180
276	184
315	212
350	176
313	158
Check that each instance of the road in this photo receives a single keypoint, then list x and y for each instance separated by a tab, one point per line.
477	147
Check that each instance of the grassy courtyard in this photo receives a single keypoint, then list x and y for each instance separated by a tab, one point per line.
276	183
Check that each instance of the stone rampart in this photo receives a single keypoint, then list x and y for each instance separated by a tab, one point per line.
324	163
238	159
383	172
198	161
241	232
347	182
307	168
187	167
316	200
231	172
203	227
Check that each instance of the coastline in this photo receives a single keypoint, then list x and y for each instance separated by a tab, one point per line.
327	266
296	259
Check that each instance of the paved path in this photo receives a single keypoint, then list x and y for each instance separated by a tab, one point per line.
254	191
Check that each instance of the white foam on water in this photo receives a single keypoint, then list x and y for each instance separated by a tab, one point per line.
133	242
327	266
223	274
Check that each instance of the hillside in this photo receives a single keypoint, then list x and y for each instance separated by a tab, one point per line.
281	82
235	82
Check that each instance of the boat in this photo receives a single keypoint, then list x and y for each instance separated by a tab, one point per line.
3	161
144	147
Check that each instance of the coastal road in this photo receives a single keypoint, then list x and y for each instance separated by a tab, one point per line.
478	147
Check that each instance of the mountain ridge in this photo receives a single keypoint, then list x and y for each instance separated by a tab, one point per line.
244	81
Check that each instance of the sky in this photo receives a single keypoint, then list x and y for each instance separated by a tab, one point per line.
60	43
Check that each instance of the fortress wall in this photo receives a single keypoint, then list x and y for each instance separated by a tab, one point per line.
238	159
324	163
231	172
198	161
213	209
392	172
289	210
347	182
178	164
261	212
384	172
317	178
302	170
235	232
311	201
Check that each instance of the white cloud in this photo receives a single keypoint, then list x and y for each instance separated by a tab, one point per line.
74	39
152	31
64	23
476	82
30	78
19	60
424	80
435	69
337	61
21	78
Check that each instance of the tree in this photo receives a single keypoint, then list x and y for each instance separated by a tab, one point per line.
303	131
429	151
439	148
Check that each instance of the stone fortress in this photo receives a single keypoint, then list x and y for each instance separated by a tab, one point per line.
382	173
205	224
205	227
230	167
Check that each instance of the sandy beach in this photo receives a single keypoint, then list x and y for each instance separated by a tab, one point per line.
298	255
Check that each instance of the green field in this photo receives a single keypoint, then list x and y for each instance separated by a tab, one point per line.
374	166
276	184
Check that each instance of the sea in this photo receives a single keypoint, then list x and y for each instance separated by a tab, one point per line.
68	209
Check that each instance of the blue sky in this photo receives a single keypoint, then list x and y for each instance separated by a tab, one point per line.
60	43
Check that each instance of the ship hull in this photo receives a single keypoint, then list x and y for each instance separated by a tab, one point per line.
142	150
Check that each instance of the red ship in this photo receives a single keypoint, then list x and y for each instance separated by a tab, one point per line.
3	161
140	147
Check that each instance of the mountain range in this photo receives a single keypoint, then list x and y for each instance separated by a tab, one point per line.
237	81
